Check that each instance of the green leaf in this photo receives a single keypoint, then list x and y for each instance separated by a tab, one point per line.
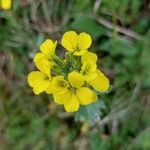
96	143
120	46
145	62
141	141
86	24
91	113
80	6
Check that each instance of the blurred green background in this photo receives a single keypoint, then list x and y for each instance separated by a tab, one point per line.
121	38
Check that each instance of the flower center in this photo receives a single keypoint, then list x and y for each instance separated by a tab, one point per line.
46	78
77	48
86	69
63	83
72	89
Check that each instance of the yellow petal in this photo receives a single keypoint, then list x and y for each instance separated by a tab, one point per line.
88	71
44	66
62	98
86	96
34	77
84	41
5	4
49	90
72	104
88	67
59	84
69	40
88	57
38	81
55	44
75	79
48	47
39	56
90	76
101	83
41	86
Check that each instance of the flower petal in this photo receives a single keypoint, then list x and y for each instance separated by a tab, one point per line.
34	77
44	66
69	40
38	81
55	44
39	56
59	84
88	71
101	83
84	41
48	47
49	90
41	86
86	96
88	56
72	104
75	79
89	67
5	4
62	98
90	76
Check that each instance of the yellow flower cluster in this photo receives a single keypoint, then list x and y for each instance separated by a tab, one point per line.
72	80
5	4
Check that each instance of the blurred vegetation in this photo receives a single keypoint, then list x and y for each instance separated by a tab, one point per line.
121	38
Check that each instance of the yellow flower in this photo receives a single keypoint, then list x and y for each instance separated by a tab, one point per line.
59	84
47	50
88	71
5	4
75	79
72	93
101	82
39	81
91	74
44	66
88	57
43	59
55	76
77	44
89	66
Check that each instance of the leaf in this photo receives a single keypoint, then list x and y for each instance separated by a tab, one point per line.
120	46
145	62
96	142
80	6
86	24
141	141
91	113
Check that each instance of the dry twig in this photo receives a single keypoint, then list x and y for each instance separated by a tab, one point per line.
119	29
